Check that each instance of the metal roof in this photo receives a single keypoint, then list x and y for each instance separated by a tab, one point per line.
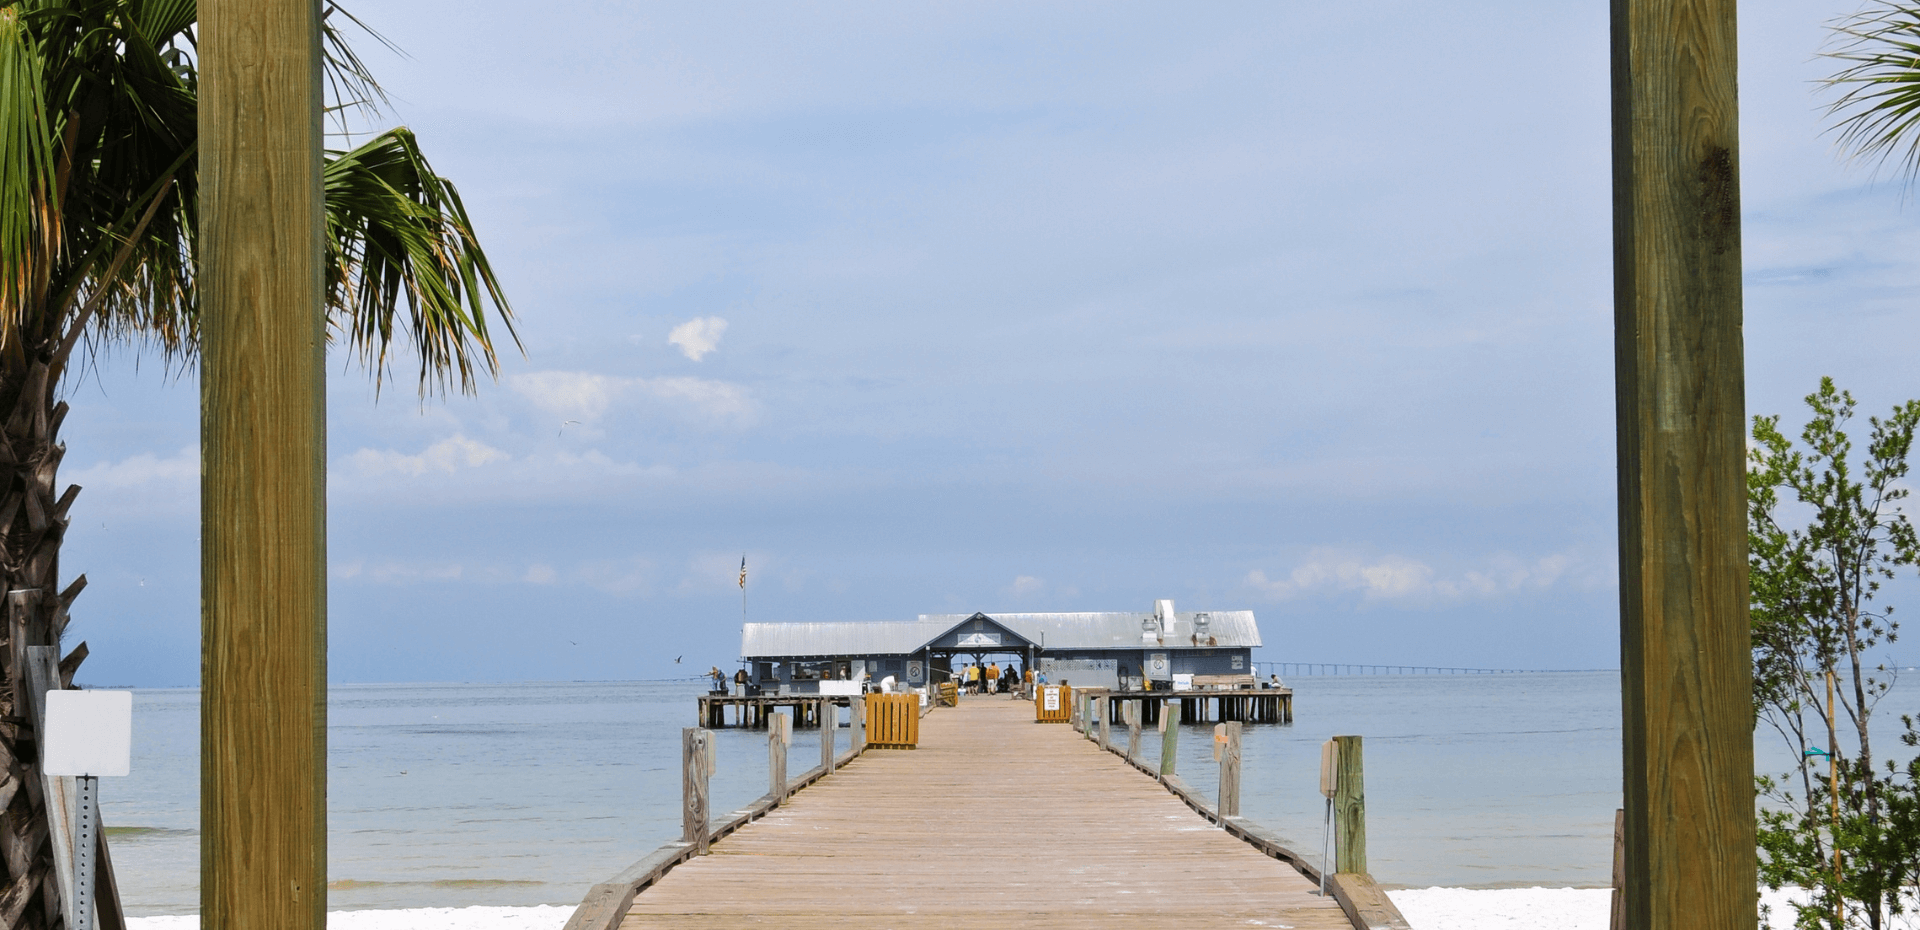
1120	629
838	638
1101	630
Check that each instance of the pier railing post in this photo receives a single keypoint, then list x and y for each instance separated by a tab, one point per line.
857	730
779	737
1228	750
1169	737
1101	709
1350	809
696	765
1133	730
829	722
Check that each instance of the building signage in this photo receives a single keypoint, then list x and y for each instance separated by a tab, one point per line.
980	639
915	671
1050	699
1157	665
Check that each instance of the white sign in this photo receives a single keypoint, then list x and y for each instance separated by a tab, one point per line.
88	733
980	639
1050	699
1157	665
915	671
840	688
1239	663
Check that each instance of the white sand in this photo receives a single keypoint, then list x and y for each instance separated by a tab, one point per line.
1425	909
542	917
1528	908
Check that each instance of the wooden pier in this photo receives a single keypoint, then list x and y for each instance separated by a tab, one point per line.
1249	705
993	821
753	711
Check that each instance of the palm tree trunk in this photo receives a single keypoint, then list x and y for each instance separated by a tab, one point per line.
33	523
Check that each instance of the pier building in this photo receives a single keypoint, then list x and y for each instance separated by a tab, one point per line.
1161	649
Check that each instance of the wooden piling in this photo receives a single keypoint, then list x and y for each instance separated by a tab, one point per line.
1133	730
1229	797
1169	737
1350	809
1100	710
263	763
1687	712
829	722
857	723
779	738
695	771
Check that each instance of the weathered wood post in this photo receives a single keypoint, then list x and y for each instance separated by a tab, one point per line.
1685	673
1349	809
1616	916
857	725
779	737
1227	750
263	550
696	767
1133	730
1100	710
829	722
1169	736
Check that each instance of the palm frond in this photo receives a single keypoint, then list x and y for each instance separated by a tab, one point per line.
26	160
397	234
1879	105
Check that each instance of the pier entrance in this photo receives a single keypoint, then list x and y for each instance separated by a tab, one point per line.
992	822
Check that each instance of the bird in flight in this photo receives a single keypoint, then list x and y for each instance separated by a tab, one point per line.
563	426
676	659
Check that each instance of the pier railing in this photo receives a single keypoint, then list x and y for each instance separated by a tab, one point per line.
606	903
1351	885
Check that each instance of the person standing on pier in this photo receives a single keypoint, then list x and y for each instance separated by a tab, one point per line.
993	678
740	681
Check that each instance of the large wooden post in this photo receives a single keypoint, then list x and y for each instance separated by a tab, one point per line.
263	552
1685	677
1350	807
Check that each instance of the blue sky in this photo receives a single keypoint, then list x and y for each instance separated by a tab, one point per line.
942	307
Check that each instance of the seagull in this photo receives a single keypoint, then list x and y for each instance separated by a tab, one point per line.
563	426
676	659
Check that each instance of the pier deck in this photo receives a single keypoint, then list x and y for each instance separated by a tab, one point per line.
993	822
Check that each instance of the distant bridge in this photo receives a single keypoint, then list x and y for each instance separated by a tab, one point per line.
1318	669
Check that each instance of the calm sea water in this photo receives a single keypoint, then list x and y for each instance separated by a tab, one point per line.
463	794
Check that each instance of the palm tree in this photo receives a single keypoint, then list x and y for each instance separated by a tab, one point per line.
1878	110
97	248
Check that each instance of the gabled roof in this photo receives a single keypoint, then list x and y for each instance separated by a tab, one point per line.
1123	629
1102	630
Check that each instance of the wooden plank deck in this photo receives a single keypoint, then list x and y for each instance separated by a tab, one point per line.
994	822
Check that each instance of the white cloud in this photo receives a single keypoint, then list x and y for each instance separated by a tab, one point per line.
586	397
540	574
698	336
182	470
572	395
445	457
1398	578
1027	584
392	572
618	576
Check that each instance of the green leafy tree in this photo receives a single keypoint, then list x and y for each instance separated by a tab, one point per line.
1850	838
98	201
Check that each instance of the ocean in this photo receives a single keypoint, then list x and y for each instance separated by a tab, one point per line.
458	795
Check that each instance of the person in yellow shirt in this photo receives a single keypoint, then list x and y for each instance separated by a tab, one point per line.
993	678
973	678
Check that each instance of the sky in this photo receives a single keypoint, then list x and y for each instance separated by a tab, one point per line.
942	307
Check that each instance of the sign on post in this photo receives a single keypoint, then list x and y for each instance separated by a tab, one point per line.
88	734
